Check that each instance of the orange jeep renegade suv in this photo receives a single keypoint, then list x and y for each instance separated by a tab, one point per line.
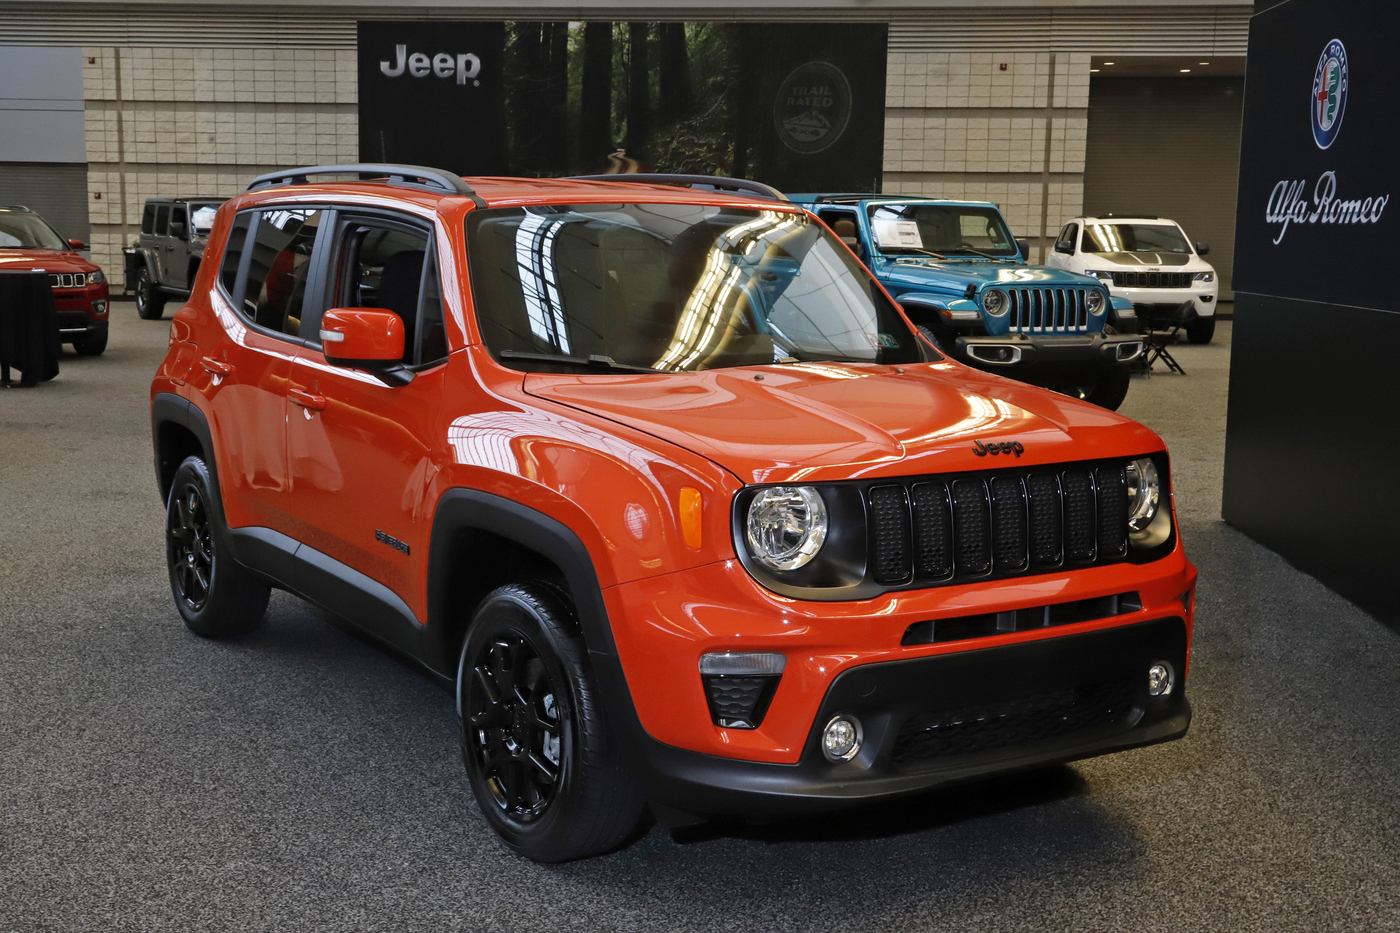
669	487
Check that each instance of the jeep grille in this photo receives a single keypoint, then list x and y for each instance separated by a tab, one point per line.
928	530
1049	310
67	279
1152	279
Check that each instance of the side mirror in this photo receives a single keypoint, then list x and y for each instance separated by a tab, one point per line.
76	244
178	229
1062	247
366	338
1202	248
1025	247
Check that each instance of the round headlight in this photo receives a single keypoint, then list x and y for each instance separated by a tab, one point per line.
995	302
1094	302
787	526
1144	494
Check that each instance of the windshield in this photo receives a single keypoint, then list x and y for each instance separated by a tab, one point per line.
947	229
673	288
1133	238
202	216
27	231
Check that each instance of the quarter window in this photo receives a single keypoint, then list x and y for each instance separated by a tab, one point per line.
233	252
148	219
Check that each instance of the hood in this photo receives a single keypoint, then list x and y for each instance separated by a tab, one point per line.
49	260
1140	260
958	274
827	421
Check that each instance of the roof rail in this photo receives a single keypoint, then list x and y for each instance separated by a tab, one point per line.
15	207
1133	216
408	176
713	182
849	196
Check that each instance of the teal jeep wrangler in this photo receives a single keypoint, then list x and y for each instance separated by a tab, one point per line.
964	280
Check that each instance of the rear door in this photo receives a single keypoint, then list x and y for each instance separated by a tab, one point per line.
361	452
160	243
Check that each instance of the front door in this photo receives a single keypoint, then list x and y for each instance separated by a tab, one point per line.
361	452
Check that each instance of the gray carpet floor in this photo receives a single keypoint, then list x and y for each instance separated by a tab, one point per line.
303	779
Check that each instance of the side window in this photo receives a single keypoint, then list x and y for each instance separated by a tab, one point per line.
383	266
233	252
148	219
162	219
278	268
1067	236
178	220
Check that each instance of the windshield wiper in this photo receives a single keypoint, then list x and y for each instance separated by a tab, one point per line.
966	248
592	361
912	249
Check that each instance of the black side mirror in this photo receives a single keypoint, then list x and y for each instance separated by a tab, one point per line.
1202	248
1025	247
178	229
1062	247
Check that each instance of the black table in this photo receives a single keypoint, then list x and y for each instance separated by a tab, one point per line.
28	328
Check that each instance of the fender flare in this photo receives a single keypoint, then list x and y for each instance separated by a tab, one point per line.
149	262
460	510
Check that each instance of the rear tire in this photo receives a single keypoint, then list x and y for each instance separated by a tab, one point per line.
150	300
1201	330
1111	389
92	343
545	767
215	595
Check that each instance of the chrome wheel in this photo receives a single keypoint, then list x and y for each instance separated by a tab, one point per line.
190	547
516	724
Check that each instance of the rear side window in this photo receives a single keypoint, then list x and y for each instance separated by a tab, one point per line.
278	269
233	253
162	219
148	219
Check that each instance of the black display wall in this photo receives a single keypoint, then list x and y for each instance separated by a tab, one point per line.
799	106
1312	450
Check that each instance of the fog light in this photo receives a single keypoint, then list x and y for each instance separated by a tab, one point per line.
1160	679
99	307
841	738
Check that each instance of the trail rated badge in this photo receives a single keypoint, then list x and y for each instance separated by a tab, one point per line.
813	107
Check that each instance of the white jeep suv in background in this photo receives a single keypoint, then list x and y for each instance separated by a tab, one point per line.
1147	260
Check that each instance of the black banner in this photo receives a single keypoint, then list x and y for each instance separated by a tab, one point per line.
1317	170
799	106
432	93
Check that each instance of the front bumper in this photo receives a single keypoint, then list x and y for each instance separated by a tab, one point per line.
81	310
935	721
1153	299
1046	360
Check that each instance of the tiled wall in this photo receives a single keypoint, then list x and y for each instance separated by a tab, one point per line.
205	121
973	125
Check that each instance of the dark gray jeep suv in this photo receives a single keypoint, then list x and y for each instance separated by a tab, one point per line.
173	234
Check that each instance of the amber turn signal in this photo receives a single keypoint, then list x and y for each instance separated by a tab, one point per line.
690	517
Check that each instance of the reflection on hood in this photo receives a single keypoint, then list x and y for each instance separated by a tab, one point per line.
1144	259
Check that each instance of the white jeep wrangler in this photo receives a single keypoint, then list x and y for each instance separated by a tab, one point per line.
1147	260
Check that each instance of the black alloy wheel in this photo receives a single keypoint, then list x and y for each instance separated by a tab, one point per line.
190	546
517	722
214	594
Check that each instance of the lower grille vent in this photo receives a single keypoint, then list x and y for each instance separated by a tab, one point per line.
1023	721
962	628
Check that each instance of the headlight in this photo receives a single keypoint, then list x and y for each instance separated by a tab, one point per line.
96	278
1205	276
995	302
1094	301
1102	276
786	526
1144	494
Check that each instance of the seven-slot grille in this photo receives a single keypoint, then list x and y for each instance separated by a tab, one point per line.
67	279
1152	279
1049	310
930	530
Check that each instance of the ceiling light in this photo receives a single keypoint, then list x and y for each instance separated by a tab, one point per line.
1203	63
1186	71
1108	63
1093	71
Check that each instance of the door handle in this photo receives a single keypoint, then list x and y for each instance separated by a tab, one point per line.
212	365
307	399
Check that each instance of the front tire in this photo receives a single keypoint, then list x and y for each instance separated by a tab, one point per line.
1111	389
91	343
150	300
1201	330
545	767
215	595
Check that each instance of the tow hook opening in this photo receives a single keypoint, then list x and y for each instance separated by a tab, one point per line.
1000	354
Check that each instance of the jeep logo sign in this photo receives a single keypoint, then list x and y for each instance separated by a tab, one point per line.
465	67
433	93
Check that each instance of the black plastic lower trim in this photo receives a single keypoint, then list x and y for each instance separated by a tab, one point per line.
886	696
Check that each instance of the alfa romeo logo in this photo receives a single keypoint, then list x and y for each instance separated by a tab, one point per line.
813	107
1329	94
